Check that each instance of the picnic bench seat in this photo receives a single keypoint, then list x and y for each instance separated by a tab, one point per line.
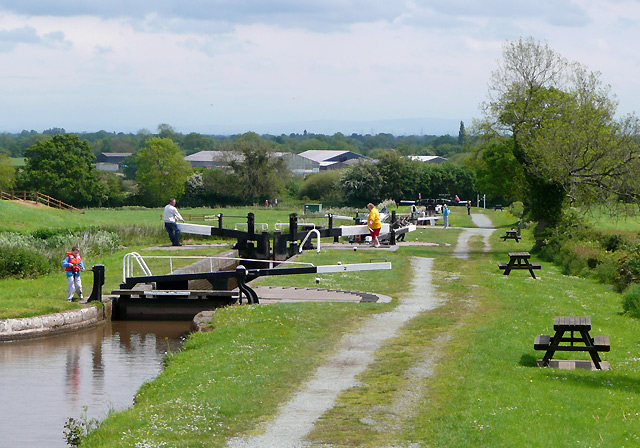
519	260
511	235
531	266
572	325
497	207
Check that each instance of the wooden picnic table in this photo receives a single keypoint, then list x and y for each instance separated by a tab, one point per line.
519	260
511	235
580	325
497	207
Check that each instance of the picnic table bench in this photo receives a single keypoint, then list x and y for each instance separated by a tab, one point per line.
511	235
519	260
580	325
497	207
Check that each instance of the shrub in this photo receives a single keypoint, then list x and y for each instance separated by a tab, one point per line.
24	263
517	209
30	256
631	300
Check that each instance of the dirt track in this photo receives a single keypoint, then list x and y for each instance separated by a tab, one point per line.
357	350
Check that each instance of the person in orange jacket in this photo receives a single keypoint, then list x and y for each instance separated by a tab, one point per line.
73	265
374	224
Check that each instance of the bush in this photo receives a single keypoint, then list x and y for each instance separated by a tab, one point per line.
517	209
631	300
24	263
323	186
30	256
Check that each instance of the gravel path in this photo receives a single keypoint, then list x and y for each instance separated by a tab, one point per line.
297	417
485	229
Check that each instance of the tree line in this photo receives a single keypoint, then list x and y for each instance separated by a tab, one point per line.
15	145
549	137
63	167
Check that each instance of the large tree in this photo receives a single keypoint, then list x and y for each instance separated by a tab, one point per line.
62	167
162	171
260	175
564	133
7	173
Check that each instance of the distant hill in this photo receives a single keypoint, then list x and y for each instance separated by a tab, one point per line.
397	127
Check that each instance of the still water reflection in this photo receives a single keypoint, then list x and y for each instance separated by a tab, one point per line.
45	381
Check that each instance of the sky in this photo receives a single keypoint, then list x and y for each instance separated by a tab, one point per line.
286	66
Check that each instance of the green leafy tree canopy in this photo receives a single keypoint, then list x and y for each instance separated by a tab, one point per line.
62	167
162	171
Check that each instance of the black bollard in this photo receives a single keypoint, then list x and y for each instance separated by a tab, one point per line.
98	282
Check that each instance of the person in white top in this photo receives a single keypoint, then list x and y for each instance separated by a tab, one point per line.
171	216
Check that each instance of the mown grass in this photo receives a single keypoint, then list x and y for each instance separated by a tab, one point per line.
24	218
626	219
484	389
227	381
47	294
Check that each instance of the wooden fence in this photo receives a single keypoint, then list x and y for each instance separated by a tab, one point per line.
40	198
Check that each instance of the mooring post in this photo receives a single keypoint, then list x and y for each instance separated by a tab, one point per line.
263	248
293	231
98	281
336	238
251	220
220	222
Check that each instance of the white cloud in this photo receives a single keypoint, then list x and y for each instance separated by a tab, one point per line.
124	66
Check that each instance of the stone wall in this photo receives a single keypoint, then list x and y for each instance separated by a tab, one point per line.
66	321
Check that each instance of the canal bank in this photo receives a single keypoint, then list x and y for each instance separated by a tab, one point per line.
57	323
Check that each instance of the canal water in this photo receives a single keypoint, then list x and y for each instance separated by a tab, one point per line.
45	381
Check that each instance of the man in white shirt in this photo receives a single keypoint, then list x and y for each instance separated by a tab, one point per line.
171	216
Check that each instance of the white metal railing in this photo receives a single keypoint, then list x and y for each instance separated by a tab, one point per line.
127	265
281	225
263	225
312	231
130	258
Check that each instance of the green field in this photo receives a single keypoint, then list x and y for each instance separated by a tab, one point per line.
483	390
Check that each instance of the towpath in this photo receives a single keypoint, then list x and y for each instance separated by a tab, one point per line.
297	418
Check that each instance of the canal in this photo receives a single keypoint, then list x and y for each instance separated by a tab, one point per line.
44	382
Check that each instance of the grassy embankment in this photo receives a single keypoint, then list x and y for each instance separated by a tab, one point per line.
140	228
484	391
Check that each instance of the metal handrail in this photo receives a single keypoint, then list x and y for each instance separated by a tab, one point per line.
317	232
127	265
127	262
264	225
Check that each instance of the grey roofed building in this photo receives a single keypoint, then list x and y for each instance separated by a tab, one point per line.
111	161
214	159
222	159
298	165
429	159
330	159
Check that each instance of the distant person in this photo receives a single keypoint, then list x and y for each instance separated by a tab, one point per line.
374	224
171	216
445	215
469	208
457	199
73	265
